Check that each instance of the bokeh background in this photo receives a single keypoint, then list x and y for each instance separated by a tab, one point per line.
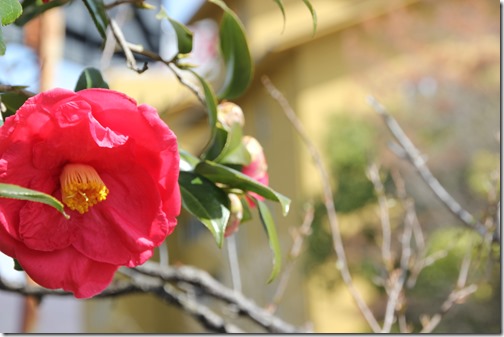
434	64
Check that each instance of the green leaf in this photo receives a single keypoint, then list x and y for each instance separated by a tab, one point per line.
247	214
234	152
184	35
205	201
96	9
32	9
18	192
211	105
313	14
188	161
235	179
90	78
236	54
12	102
280	4
10	10
269	226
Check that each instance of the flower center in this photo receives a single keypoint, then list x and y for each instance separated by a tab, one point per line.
81	187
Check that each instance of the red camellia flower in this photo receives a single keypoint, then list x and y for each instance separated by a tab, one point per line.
258	168
115	167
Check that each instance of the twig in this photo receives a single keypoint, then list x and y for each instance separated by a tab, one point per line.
139	49
341	263
458	295
396	279
130	58
206	317
374	175
413	155
299	235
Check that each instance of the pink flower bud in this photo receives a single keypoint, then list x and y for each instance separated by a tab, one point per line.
236	214
229	113
258	168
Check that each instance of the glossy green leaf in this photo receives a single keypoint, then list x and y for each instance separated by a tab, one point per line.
96	9
32	9
281	6
187	161
10	10
217	145
90	78
18	192
234	151
184	35
236	54
205	201
211	105
269	226
235	179
313	14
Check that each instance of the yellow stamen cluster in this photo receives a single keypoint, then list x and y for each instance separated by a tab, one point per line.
81	187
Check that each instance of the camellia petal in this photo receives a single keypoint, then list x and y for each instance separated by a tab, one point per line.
132	216
66	269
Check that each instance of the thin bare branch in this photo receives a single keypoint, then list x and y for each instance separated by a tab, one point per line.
215	289
396	279
338	247
374	176
414	157
130	58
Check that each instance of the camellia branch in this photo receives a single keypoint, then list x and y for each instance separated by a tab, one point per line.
414	157
155	279
130	58
211	287
338	247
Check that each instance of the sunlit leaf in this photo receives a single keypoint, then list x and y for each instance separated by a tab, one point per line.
235	179
18	192
90	78
10	10
269	226
313	14
96	9
187	161
205	201
281	6
184	35
236	54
